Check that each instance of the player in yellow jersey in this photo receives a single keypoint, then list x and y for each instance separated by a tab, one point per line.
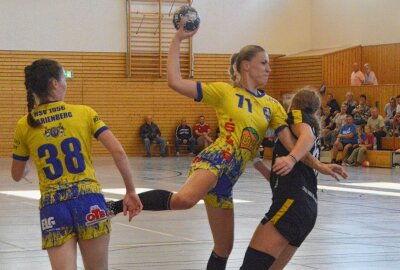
58	138
244	112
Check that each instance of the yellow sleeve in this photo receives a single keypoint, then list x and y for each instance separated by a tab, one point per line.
20	149
212	93
278	117
97	125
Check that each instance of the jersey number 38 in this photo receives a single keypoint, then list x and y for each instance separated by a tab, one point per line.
73	159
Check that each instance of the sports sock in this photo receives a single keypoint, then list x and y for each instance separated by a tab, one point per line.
156	200
256	260
216	262
153	200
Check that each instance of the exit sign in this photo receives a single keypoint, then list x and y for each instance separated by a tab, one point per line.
68	74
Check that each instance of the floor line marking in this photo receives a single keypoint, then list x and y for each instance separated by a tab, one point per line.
153	231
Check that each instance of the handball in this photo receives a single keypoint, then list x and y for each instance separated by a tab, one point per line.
191	16
365	163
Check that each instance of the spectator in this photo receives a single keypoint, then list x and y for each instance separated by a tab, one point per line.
183	135
217	133
350	103
269	138
366	143
377	124
345	140
398	104
202	133
339	121
150	133
397	116
370	78
361	112
357	77
390	112
332	103
327	126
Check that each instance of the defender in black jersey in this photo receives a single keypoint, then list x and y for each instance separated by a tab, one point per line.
293	212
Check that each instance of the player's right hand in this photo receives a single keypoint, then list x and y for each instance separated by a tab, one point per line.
132	205
181	34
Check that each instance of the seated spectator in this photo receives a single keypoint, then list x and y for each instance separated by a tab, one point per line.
150	133
361	112
390	112
183	135
339	121
357	77
268	141
370	78
269	138
350	103
333	104
396	118
366	142
327	126
377	125
202	133
345	140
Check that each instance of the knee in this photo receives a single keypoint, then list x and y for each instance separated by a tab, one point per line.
146	141
347	147
223	249
179	202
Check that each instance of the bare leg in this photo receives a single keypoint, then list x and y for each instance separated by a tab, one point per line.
222	228
64	257
267	239
95	252
284	258
195	188
345	153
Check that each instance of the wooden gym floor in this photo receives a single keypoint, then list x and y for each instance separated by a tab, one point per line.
358	225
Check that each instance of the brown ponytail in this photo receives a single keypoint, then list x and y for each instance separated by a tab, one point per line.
38	76
308	101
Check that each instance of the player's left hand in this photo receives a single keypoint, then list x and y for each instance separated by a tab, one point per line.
283	165
333	170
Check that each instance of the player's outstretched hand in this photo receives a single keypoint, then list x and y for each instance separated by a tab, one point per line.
283	165
132	205
333	170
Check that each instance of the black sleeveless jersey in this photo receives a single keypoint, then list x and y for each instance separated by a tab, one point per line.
302	180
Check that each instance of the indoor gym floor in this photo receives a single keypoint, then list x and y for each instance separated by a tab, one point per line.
358	226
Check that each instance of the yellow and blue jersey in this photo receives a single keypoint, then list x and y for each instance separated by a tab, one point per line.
243	119
61	149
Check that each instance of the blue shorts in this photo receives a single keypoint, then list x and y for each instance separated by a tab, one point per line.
84	218
226	169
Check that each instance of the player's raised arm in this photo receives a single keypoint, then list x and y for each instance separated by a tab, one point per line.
175	81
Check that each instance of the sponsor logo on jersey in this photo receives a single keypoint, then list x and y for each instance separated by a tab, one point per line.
54	131
96	119
267	113
96	215
48	223
249	139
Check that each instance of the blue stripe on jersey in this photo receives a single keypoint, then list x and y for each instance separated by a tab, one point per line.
279	129
99	131
16	157
199	92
